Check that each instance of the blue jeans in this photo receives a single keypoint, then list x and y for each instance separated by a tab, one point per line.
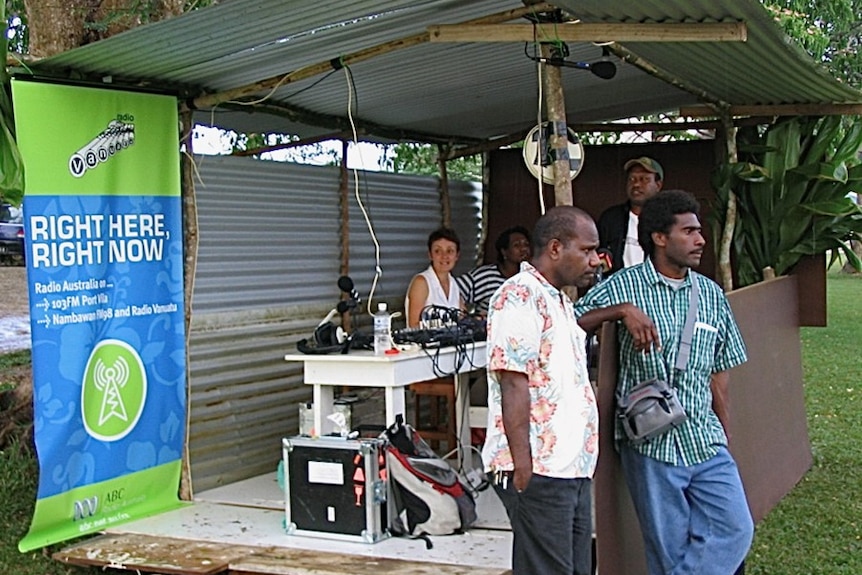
694	519
542	545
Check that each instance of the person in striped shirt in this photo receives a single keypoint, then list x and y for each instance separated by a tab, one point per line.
478	285
684	484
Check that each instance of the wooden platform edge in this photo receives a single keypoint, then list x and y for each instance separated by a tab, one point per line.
173	556
304	562
152	554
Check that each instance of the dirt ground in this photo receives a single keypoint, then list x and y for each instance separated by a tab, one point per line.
13	291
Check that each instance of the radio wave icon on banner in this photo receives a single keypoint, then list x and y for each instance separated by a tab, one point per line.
113	390
110	380
116	137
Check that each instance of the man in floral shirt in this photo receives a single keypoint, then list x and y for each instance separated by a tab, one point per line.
542	441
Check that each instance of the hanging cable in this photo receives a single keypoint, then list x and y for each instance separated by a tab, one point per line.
540	132
378	271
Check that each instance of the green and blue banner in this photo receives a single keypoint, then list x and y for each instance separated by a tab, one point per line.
103	242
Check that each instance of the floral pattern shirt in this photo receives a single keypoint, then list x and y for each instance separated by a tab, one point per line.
532	330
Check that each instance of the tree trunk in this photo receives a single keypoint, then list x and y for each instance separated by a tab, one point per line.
62	25
55	26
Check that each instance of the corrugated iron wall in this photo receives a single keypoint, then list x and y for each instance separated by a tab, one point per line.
268	265
403	211
260	223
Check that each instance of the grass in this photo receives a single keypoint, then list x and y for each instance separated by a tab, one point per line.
11	363
18	473
815	530
18	486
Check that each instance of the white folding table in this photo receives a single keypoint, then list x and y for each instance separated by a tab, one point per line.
393	373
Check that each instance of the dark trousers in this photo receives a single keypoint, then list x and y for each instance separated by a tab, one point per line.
542	543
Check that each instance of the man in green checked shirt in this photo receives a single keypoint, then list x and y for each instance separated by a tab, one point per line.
684	483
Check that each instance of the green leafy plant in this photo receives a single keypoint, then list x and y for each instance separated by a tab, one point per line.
11	165
792	184
413	158
827	29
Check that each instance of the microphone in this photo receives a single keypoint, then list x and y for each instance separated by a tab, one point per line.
342	307
345	284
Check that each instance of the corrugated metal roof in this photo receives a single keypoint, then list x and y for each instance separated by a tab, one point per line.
465	91
766	69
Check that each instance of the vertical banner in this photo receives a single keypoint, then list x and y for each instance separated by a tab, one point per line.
103	225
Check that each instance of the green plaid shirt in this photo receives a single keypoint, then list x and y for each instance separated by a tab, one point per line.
716	346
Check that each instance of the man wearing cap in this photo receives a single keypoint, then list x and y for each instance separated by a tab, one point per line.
618	225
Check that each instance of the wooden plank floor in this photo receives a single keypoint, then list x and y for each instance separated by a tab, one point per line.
170	556
239	530
153	554
297	562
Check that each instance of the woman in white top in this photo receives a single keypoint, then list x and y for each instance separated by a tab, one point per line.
435	285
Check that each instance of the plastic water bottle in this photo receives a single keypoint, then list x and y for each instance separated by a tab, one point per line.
382	324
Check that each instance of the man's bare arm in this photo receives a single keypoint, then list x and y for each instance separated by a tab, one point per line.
638	324
515	390
721	399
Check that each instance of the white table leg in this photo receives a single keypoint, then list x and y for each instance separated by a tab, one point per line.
462	417
394	397
323	397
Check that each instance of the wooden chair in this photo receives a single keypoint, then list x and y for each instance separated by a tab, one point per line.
440	415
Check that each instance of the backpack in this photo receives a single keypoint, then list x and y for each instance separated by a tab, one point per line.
430	498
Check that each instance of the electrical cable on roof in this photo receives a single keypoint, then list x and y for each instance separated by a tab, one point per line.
378	271
540	131
539	19
264	98
312	85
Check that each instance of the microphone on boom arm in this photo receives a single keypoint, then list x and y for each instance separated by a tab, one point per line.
327	337
345	284
342	307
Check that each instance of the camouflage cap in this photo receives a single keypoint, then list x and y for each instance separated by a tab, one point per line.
646	163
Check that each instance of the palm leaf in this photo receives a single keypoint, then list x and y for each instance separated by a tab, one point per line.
826	131
792	193
848	149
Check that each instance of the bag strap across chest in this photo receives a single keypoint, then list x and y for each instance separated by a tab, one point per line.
688	329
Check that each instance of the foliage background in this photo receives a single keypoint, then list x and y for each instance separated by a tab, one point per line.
829	30
791	182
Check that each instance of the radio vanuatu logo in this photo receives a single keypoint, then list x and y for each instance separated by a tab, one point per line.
119	135
114	390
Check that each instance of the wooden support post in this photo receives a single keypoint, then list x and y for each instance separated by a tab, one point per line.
445	199
558	140
190	251
593	32
344	224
